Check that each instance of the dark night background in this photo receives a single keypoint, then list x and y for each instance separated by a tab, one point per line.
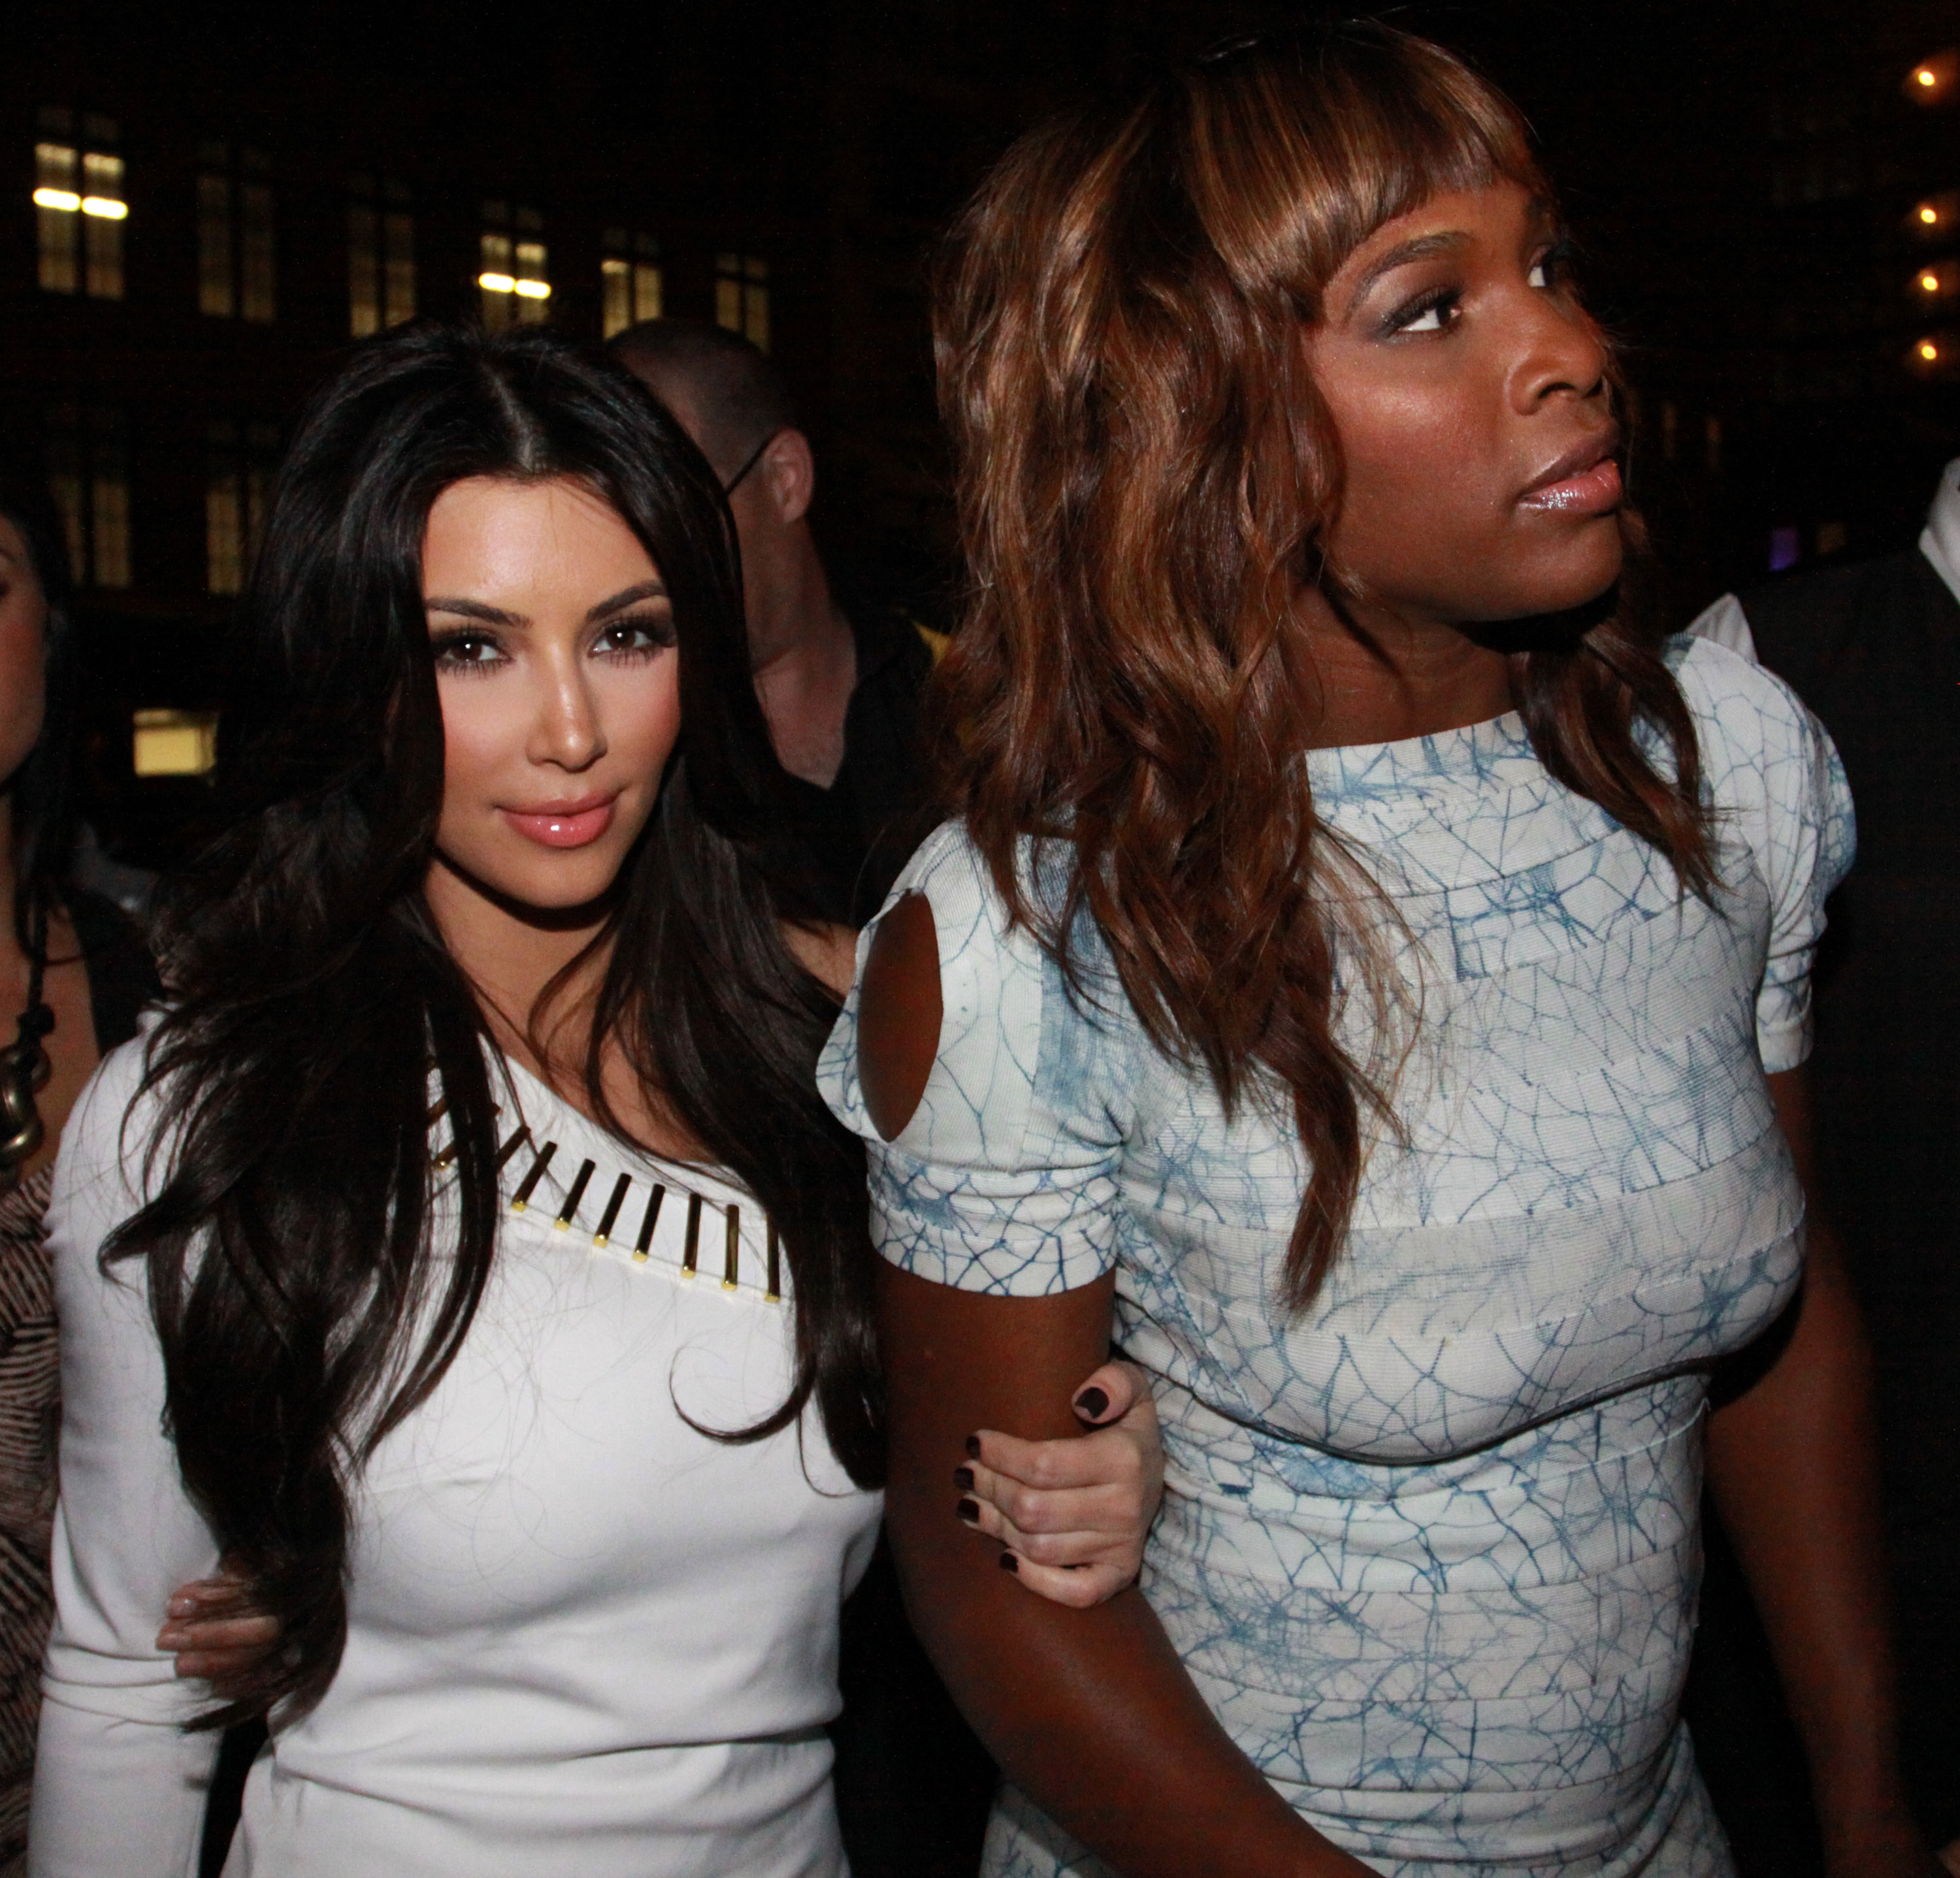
1744	179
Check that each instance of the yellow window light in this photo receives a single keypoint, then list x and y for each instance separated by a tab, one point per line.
64	199
496	283
1928	352
1929	282
1929	214
175	742
106	206
531	290
1927	77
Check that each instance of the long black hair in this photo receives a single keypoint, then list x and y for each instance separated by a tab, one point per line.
302	1310
44	798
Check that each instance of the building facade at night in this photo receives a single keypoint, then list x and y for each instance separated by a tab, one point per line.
201	218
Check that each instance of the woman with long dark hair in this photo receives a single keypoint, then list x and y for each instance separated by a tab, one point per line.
1374	961
74	974
466	1253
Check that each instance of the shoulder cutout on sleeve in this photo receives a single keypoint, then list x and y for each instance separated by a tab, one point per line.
898	1013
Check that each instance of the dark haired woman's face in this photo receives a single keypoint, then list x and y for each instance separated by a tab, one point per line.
555	662
1468	388
22	619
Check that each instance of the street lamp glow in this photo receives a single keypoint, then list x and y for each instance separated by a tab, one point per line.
532	290
1928	351
1925	77
1929	214
496	283
105	206
66	200
1929	282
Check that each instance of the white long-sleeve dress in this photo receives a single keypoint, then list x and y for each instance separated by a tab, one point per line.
583	1638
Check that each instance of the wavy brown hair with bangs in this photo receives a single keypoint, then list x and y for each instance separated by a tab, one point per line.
1148	475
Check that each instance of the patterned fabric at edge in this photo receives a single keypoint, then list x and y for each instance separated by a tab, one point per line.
30	1408
1429	1550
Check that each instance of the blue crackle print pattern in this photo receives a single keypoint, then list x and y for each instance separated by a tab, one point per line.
1429	1550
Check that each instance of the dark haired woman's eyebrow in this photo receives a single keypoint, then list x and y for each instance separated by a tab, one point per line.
1422	248
629	596
475	610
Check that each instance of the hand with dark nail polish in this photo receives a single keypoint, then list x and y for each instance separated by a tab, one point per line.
962	1478
1009	1562
969	1511
973	1447
1090	1403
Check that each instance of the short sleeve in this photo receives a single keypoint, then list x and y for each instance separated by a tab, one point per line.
1005	1178
1775	778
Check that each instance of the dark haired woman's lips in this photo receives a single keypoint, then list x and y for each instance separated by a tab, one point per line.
1590	490
566	825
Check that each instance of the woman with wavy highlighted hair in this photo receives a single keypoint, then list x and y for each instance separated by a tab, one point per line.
1371	958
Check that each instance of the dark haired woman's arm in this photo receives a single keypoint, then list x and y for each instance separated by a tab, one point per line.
1793	1462
1089	1712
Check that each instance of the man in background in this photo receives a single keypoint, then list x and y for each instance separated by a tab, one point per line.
1873	648
838	676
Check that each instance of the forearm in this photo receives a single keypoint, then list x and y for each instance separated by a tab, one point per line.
1792	1463
1089	1712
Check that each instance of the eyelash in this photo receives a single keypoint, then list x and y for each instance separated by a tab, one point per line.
1554	264
657	629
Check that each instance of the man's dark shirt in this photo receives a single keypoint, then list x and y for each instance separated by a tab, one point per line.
1874	650
855	837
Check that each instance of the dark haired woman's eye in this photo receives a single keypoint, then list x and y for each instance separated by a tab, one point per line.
1429	313
1553	269
638	636
465	652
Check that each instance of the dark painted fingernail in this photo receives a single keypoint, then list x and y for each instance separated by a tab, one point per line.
973	1447
1009	1562
968	1510
1091	1403
962	1478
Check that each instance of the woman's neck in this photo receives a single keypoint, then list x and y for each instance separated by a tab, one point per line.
1379	678
511	954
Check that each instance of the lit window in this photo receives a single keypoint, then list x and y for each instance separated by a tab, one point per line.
742	296
630	283
237	265
1933	80
514	274
381	259
238	476
80	205
88	475
174	742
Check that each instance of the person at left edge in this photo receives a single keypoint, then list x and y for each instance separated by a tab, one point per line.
469	1219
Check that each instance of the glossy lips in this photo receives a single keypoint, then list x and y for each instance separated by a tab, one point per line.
1585	481
565	824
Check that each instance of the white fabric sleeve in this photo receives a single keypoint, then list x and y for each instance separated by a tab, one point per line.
1004	1179
1774	777
1726	625
118	1787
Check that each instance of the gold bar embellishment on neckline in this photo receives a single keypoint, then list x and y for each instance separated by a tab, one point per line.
775	1293
732	1261
644	1242
510	1148
603	1235
522	1198
569	1212
690	1255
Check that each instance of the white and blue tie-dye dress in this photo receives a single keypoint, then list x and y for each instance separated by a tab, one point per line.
1430	1548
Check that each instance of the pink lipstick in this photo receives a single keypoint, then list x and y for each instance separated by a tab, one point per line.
1584	480
564	824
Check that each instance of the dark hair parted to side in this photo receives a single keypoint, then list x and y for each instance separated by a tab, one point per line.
303	1310
1146	475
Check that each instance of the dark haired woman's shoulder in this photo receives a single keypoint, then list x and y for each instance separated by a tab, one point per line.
103	1147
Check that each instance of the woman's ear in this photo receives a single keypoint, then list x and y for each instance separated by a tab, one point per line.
898	1013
